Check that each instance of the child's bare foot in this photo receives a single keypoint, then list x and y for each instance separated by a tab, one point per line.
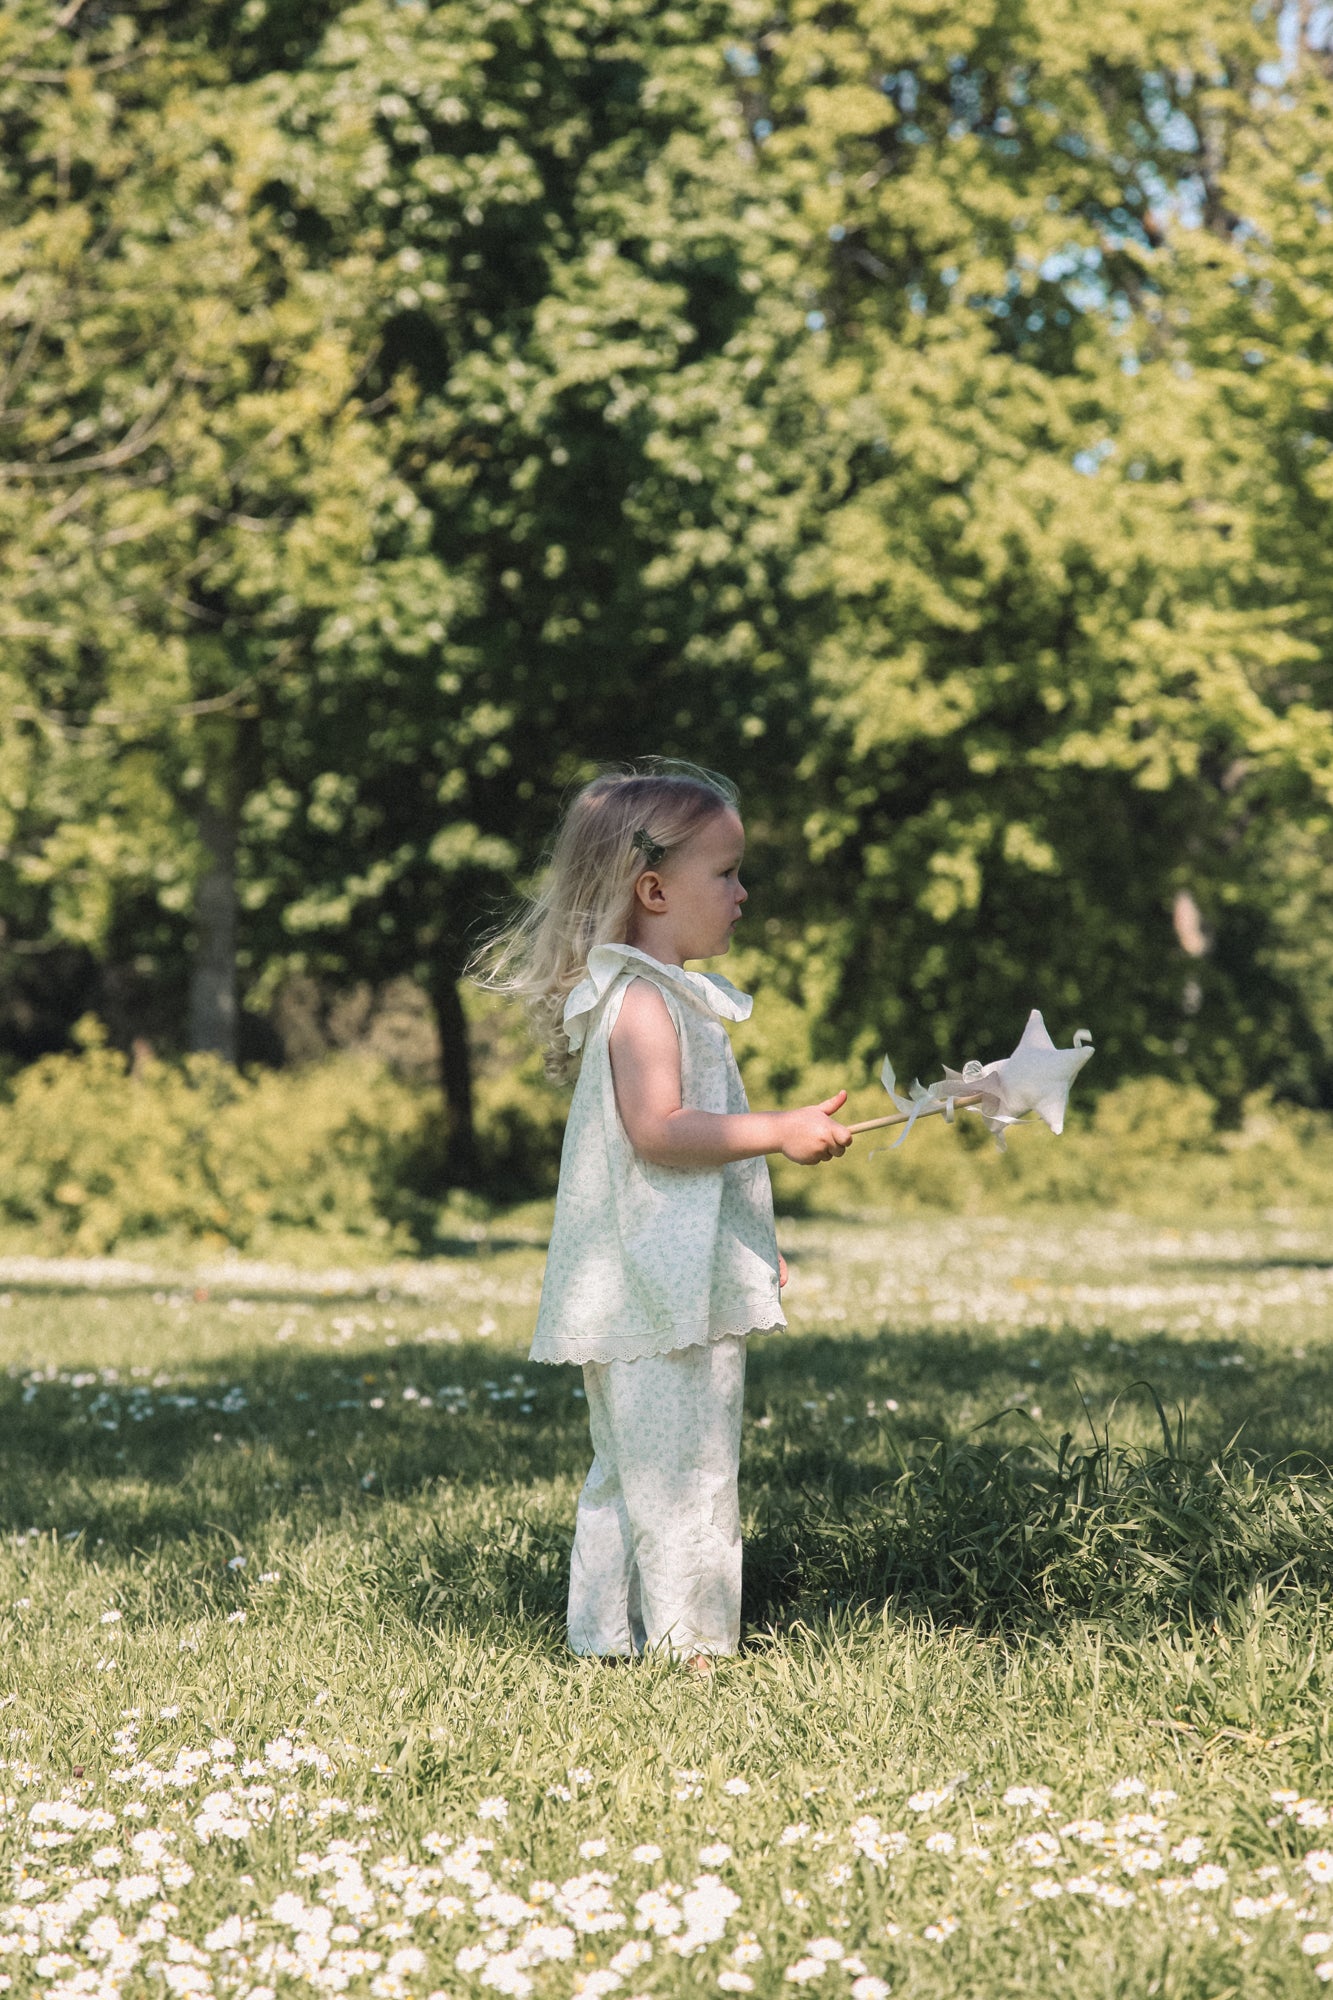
701	1663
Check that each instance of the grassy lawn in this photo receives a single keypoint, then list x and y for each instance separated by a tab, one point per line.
1037	1682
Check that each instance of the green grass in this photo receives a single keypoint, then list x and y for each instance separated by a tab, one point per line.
1041	1504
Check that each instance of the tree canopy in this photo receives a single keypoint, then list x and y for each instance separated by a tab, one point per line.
923	414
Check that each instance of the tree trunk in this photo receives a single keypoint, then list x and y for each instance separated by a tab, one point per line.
455	1077
212	1026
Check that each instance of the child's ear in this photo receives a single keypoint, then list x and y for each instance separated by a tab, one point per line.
649	892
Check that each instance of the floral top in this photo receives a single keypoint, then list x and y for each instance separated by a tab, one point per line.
645	1258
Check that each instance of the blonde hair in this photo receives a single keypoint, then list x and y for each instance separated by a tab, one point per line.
622	823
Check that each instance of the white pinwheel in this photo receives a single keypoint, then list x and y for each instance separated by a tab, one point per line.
1035	1079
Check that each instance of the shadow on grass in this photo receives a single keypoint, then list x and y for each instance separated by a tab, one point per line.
1240	1266
954	1504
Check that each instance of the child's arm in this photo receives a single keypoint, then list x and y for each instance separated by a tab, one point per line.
645	1063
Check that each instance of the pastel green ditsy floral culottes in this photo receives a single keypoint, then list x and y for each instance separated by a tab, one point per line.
657	1542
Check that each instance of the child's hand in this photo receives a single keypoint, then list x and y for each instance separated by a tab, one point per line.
811	1134
783	1272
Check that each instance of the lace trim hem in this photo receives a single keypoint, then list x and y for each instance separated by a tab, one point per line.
640	1346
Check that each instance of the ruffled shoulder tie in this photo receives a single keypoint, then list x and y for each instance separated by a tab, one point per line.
707	991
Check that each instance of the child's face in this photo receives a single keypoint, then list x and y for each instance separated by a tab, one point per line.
694	904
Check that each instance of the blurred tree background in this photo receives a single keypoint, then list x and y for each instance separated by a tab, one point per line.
924	414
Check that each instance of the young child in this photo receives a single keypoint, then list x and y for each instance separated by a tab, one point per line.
663	1255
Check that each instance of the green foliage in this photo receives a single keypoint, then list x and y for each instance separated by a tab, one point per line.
404	359
1149	1146
99	1155
103	1153
520	1112
922	414
1146	1143
1056	680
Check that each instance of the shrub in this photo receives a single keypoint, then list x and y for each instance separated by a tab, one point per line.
96	1153
1149	1144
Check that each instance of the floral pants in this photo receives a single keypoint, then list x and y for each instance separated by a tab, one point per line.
657	1543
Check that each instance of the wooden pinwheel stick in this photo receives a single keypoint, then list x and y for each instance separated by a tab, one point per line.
901	1117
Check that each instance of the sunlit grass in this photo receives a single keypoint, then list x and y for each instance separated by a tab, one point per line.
1033	1506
